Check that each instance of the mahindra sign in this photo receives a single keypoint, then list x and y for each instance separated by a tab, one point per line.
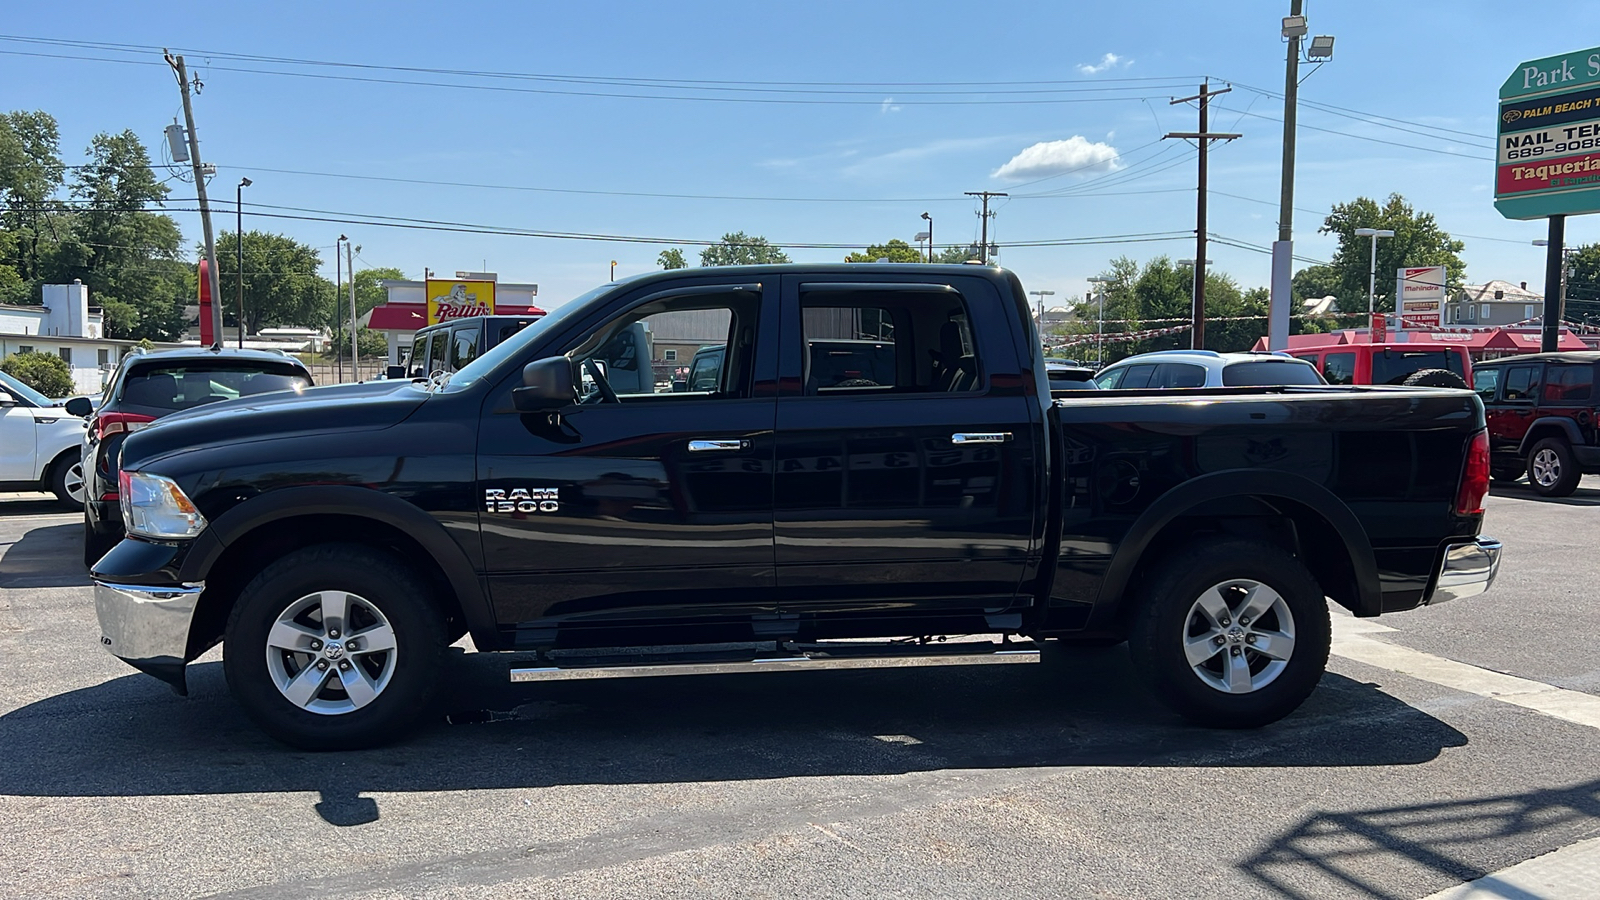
1419	296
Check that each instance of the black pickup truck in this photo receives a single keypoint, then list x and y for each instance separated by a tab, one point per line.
339	540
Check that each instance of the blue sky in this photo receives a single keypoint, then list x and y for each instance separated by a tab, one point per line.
877	161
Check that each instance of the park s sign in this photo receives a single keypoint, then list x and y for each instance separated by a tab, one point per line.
1548	162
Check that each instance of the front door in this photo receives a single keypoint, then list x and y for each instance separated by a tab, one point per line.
18	444
906	461
1511	417
641	503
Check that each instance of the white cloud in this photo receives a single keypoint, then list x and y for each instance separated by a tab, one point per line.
888	106
1046	158
1108	62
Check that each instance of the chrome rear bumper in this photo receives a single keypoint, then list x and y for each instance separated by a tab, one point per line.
1467	571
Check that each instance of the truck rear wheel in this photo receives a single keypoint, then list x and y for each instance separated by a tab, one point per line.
1552	470
1231	633
335	647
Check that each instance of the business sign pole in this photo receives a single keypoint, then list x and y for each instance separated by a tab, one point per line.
1548	162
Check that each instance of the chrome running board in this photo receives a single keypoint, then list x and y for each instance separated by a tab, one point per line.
792	658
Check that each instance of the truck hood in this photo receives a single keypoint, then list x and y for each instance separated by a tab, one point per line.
369	406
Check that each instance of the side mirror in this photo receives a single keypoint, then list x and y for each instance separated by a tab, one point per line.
6	399
546	386
394	372
679	387
80	407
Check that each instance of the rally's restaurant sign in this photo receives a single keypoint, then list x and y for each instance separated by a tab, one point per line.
458	298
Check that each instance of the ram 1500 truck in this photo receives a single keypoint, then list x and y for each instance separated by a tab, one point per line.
339	540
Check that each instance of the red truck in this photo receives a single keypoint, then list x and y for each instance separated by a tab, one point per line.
1390	363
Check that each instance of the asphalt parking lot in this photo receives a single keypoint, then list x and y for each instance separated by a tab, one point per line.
1398	779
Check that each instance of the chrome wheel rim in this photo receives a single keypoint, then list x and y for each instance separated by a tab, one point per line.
1239	636
73	482
331	652
1546	467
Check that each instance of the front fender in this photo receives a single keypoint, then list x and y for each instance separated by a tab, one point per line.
1263	483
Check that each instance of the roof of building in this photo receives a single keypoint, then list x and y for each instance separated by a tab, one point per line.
1506	291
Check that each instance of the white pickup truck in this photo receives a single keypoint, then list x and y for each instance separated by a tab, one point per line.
39	444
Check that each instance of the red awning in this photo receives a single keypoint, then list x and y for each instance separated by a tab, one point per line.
411	316
1527	341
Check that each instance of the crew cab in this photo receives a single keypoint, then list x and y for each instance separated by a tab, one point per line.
337	542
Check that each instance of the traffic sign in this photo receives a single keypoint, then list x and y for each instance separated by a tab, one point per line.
1548	162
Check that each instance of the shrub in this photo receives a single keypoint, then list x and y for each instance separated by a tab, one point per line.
44	372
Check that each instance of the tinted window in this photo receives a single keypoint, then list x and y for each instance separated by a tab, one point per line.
1568	384
1107	381
1485	382
438	344
851	364
185	386
1522	383
464	345
1178	375
1137	377
503	331
1339	368
1269	372
887	342
1390	366
706	373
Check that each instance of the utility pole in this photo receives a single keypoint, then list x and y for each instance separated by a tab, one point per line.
200	192
355	353
1197	331
1294	28
338	278
983	248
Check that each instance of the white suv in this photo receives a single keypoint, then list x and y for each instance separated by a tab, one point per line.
1205	368
39	444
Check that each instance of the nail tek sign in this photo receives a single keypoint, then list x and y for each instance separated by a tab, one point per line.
1548	161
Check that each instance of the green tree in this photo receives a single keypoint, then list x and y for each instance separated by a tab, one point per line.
894	251
1316	282
370	291
1583	285
740	249
281	284
1418	241
44	372
971	251
30	174
672	259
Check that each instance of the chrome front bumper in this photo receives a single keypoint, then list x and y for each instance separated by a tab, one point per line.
1467	571
148	627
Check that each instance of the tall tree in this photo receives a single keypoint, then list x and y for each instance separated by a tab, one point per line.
30	175
1583	285
370	291
1418	241
281	284
894	251
740	249
672	259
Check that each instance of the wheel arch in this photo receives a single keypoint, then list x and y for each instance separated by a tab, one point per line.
1326	535
68	455
1549	426
251	535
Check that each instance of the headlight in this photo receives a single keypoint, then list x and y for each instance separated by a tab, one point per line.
155	507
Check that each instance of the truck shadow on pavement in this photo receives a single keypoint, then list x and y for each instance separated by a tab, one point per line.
45	557
132	737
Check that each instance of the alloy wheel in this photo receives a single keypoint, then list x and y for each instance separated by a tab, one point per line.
331	652
1546	467
73	482
1239	636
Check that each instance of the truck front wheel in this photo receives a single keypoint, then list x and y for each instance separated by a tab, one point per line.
335	647
1231	633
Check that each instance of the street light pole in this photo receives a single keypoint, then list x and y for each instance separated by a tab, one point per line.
613	270
930	236
238	246
1100	319
1372	268
1294	27
1041	295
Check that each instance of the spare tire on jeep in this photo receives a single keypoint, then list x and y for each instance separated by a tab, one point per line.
1435	378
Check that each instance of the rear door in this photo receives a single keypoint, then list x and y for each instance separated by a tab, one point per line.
656	504
911	489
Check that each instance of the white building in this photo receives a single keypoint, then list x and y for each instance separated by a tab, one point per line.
67	326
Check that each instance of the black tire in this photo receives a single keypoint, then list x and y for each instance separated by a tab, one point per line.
1443	378
385	591
1166	620
1552	469
95	544
60	473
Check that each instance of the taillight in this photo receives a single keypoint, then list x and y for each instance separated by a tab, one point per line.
1474	477
107	424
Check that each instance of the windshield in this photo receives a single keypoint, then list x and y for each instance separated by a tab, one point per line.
1390	366
23	392
1269	372
185	385
518	342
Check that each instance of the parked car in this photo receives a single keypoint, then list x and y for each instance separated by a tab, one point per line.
146	387
447	346
1391	363
39	441
1069	378
1542	411
338	544
1205	369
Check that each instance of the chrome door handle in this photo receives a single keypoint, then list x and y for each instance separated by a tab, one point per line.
701	446
980	437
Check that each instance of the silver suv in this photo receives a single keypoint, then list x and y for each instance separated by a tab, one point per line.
1205	368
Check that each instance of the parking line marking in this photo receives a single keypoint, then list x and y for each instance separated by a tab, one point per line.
1570	873
1354	642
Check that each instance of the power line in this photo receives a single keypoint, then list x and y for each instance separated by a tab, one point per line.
1362	137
